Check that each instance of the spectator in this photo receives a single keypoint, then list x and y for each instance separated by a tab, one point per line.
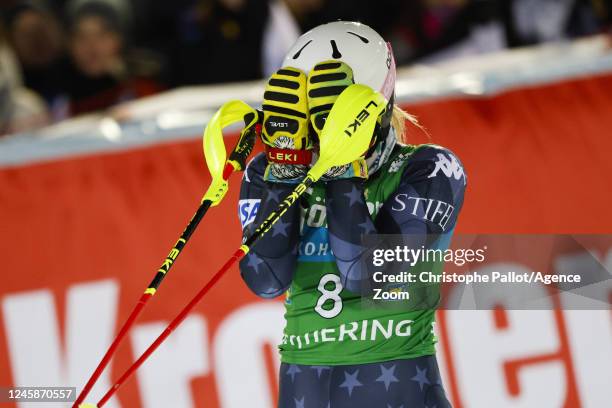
101	75
280	32
282	29
221	41
434	30
20	108
36	36
534	21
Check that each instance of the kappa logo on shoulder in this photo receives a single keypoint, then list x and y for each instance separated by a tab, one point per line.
450	167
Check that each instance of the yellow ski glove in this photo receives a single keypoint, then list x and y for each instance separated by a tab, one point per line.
326	81
285	126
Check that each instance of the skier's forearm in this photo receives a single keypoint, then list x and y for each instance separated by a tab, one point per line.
268	268
348	222
353	235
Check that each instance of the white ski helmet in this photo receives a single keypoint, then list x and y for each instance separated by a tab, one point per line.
363	49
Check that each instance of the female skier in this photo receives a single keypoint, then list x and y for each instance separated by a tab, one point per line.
338	350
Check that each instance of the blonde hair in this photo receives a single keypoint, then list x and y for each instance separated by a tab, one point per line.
399	118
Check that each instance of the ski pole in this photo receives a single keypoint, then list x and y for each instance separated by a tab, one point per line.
220	169
345	136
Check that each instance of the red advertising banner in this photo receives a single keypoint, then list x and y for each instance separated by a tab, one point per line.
81	238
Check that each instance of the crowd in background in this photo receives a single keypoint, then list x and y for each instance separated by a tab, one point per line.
60	58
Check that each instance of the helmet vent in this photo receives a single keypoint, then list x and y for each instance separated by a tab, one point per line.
297	54
327	65
336	53
363	39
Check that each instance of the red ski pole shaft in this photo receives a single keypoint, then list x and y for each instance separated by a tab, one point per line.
173	324
265	226
236	161
113	347
148	294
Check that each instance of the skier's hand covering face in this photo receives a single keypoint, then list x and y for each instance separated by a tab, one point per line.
326	81
295	108
285	126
